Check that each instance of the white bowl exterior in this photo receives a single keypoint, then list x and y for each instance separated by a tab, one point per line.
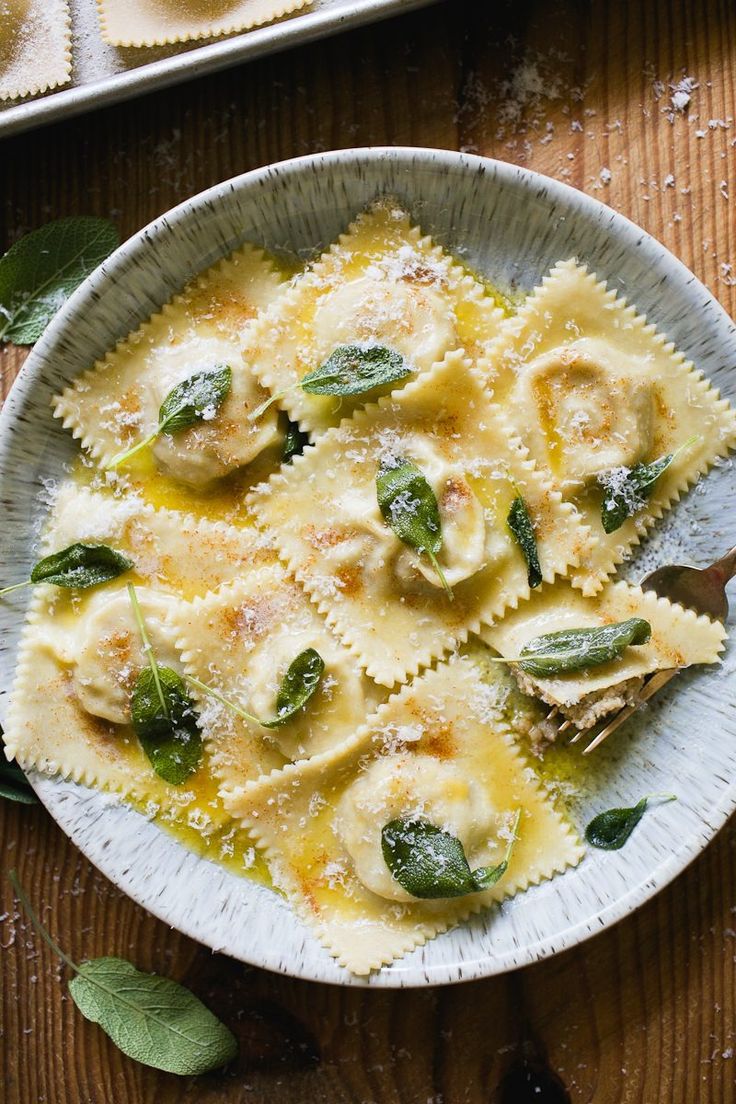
513	225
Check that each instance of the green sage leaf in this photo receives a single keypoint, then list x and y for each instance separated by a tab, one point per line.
77	567
40	271
611	829
195	399
165	722
355	369
578	649
299	684
295	442
520	524
150	1018
430	863
14	785
626	490
409	507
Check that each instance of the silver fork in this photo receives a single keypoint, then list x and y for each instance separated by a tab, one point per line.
699	589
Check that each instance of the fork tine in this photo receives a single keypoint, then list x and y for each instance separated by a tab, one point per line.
651	686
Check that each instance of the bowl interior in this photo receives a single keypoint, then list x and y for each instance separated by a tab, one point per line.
511	225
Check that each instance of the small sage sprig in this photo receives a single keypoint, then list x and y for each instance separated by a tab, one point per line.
430	863
195	399
627	490
522	529
77	567
152	1019
299	684
14	786
556	653
41	270
349	370
163	715
409	506
611	829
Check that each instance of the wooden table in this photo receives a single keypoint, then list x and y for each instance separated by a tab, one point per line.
642	1013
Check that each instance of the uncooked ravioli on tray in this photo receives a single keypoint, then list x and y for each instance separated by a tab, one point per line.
319	527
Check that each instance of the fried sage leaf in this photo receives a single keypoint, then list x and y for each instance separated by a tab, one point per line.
41	270
165	722
195	399
295	441
152	1019
556	653
348	370
626	490
14	785
299	684
409	507
430	863
77	567
611	829
520	524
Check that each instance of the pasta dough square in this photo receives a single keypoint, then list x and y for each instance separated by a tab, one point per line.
679	638
594	389
80	651
116	403
240	642
381	283
149	23
35	47
383	600
436	749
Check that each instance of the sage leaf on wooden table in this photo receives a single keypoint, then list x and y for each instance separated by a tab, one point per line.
430	863
297	688
196	399
611	829
295	441
41	270
163	715
77	567
556	653
522	529
348	370
150	1018
626	490
409	506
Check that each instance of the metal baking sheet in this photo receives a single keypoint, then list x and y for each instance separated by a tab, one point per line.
105	74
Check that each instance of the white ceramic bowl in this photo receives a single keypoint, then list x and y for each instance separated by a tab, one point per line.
512	225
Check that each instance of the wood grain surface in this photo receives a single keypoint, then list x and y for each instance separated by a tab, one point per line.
581	90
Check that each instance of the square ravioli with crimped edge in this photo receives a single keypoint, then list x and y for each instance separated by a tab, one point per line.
594	390
115	404
147	23
679	638
241	642
382	283
383	599
81	650
437	751
35	47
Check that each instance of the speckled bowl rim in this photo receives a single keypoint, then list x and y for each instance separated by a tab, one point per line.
632	237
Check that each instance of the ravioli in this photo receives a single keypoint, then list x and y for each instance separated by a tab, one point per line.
594	390
382	283
384	600
679	638
116	403
156	22
35	46
437	750
81	651
241	642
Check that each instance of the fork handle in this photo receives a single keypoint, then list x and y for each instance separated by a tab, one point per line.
724	569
